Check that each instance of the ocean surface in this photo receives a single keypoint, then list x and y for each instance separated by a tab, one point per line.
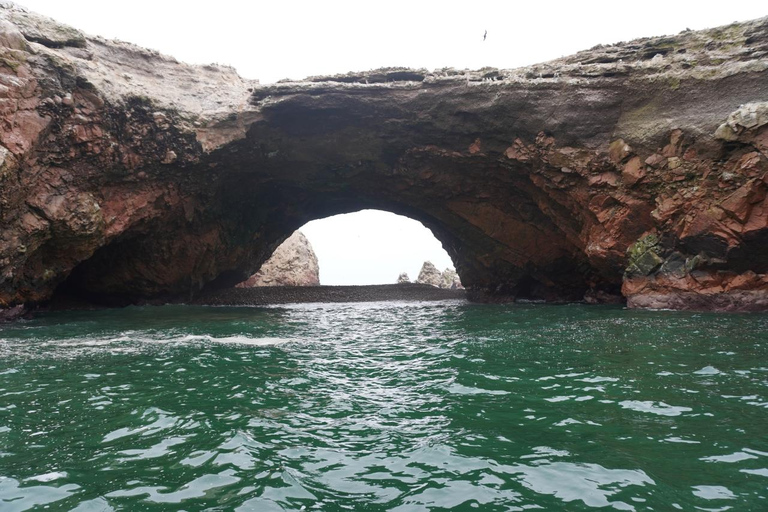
384	407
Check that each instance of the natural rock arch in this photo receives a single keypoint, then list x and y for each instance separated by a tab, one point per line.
127	174
120	271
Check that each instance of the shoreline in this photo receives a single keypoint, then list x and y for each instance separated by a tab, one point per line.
259	296
267	295
278	295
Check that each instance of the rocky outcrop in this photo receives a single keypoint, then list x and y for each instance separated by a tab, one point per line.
293	263
403	278
448	279
451	280
126	175
430	275
12	313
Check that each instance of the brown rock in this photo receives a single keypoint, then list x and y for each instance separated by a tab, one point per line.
673	163
607	179
690	155
705	223
746	281
739	203
618	151
751	162
656	161
758	219
518	151
674	148
715	291
633	172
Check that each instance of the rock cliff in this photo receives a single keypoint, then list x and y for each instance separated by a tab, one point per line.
294	263
637	168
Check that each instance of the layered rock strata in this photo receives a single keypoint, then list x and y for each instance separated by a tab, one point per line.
293	263
127	175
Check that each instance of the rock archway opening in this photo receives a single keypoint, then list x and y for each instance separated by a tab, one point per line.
373	247
191	253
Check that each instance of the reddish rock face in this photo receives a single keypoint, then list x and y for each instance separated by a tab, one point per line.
716	291
128	176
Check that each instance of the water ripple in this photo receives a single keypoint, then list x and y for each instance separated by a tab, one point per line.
383	406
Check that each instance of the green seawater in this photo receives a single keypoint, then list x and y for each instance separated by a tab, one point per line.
384	406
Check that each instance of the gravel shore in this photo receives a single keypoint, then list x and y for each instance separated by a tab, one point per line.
294	294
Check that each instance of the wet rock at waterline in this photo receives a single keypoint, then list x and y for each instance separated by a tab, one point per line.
293	263
127	175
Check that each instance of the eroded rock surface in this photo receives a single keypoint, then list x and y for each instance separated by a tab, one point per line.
126	175
294	263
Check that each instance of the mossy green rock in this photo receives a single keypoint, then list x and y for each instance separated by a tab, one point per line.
644	256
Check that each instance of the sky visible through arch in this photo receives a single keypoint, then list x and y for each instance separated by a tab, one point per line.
354	249
270	41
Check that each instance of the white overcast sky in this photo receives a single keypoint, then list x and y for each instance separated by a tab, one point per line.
372	247
294	39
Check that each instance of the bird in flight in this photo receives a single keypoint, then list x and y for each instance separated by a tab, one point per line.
485	35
